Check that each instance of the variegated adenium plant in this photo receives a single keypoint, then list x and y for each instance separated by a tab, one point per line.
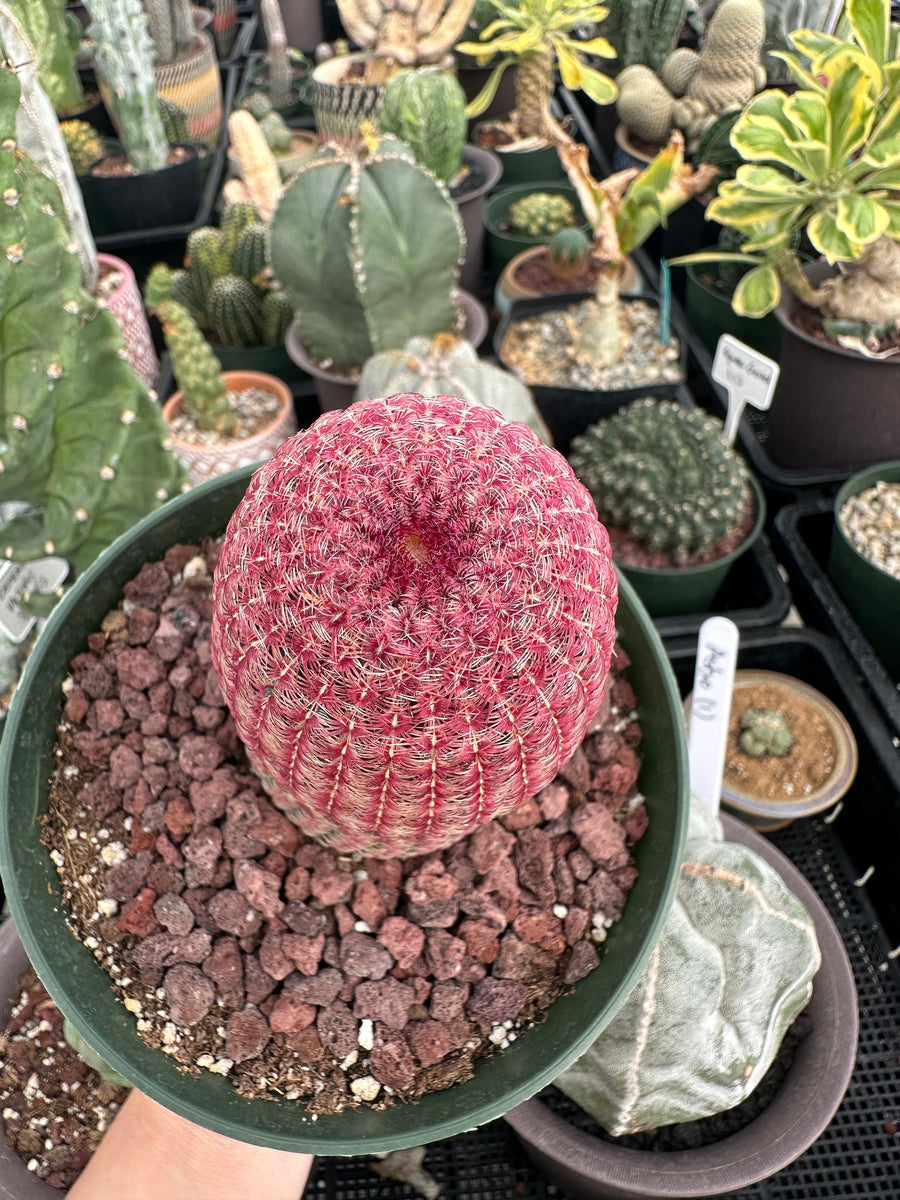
824	161
733	968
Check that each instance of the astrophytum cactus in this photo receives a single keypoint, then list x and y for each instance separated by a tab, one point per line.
413	619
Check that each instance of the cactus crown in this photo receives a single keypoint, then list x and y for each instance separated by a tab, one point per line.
426	108
665	474
568	254
764	731
83	143
541	214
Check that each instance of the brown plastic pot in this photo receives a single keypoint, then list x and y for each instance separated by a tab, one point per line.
587	1167
832	407
203	462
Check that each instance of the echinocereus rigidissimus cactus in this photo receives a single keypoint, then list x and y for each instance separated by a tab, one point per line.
413	620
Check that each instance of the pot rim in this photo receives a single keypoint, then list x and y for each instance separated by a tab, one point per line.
889	472
248	379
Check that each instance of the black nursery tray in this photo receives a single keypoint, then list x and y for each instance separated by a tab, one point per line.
803	536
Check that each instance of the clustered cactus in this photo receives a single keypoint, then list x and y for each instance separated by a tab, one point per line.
196	368
665	474
541	214
426	109
644	31
764	731
227	284
568	254
367	245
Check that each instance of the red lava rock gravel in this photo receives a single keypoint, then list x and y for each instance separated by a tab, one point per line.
243	947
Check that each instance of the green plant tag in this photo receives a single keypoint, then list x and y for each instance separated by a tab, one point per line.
665	302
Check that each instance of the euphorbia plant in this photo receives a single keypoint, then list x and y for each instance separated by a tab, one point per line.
824	161
536	36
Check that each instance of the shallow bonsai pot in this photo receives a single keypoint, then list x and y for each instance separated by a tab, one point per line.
587	1167
504	245
832	406
673	591
871	594
767	815
82	989
509	286
520	165
149	200
710	315
337	389
205	461
471	205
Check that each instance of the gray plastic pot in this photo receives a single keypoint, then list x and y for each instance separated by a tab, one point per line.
587	1167
82	989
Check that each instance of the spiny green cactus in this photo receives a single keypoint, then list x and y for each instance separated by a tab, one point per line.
644	31
449	366
568	254
55	35
195	367
541	214
185	291
83	456
251	254
764	731
665	474
277	314
367	245
426	108
83	143
174	120
235	311
125	55
171	26
235	219
207	259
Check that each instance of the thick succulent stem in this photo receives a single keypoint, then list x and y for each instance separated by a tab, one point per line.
599	339
534	87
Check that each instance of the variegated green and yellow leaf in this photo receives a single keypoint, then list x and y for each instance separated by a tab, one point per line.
870	23
798	71
831	241
861	218
851	112
762	134
757	292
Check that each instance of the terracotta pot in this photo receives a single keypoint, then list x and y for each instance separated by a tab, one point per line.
509	288
204	462
587	1167
127	306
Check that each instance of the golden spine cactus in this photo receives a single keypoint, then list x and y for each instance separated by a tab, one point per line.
257	164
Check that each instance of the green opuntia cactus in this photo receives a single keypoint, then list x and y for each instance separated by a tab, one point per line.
250	257
367	246
55	34
426	108
83	455
764	731
450	366
665	474
235	312
125	55
568	254
194	365
541	214
83	143
277	314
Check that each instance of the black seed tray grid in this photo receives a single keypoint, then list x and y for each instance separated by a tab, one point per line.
802	536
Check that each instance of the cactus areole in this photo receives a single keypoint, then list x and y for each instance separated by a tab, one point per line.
413	621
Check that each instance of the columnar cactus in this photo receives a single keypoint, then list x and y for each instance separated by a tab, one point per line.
82	456
541	214
764	731
196	369
367	245
665	474
568	254
369	634
277	56
171	25
426	108
644	31
447	365
125	55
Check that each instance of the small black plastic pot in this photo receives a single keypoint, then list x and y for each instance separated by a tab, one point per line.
121	204
568	411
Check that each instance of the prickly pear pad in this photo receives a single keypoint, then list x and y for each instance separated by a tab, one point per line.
413	620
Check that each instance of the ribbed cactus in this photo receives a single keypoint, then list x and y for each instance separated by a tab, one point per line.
541	214
171	26
764	731
83	143
426	108
568	254
449	366
277	57
644	105
235	219
125	56
644	31
251	254
277	314
665	474
367	245
207	259
235	311
196	368
83	455
260	181
55	35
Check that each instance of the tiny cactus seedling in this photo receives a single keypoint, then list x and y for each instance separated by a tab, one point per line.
541	214
568	254
764	731
401	664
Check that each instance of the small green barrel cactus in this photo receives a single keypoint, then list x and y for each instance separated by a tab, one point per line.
426	108
568	254
207	258
235	311
367	245
83	143
541	214
277	314
665	474
765	731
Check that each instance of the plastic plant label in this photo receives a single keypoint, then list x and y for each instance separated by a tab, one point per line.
717	648
748	376
24	579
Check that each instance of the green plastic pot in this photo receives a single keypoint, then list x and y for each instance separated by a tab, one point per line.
503	246
673	591
272	360
82	989
710	315
521	166
872	595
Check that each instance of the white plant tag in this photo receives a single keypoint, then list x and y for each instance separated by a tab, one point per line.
25	579
748	377
717	648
